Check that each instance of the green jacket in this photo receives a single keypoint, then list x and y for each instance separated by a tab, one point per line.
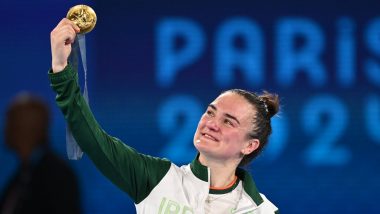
156	185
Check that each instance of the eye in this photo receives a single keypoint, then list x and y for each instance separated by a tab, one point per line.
210	113
228	122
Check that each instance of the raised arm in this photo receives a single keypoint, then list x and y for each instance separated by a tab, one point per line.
135	173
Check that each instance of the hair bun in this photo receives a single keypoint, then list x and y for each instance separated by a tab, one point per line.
271	102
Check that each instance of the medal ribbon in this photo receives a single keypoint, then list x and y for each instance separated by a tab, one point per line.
74	152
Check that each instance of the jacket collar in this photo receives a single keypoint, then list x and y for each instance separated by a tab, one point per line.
199	170
249	186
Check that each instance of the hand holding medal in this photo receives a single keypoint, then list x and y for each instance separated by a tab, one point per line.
83	16
80	20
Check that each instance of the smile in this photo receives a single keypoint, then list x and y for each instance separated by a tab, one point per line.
209	137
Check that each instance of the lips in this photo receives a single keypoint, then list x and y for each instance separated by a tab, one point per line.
209	136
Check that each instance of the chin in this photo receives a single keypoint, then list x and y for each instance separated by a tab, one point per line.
203	148
198	145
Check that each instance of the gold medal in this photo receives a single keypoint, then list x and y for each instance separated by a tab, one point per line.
83	16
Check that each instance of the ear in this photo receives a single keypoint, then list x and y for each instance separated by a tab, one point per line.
250	146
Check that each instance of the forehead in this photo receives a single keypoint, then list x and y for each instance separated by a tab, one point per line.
235	105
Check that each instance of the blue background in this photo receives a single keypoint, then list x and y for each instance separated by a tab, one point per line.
155	65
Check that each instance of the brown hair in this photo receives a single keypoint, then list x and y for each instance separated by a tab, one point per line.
266	105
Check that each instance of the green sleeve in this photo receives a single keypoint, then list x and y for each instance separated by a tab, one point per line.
135	173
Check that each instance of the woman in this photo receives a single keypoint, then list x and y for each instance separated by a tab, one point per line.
232	131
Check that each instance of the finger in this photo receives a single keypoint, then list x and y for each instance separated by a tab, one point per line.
75	27
65	22
63	35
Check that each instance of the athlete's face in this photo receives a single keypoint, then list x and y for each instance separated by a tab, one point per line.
222	130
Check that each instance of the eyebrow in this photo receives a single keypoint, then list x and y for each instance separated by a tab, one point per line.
226	114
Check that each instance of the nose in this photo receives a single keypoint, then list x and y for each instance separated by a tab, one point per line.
212	124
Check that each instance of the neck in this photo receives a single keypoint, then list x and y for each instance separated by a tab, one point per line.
222	173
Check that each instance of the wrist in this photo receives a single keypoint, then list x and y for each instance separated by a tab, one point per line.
58	67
